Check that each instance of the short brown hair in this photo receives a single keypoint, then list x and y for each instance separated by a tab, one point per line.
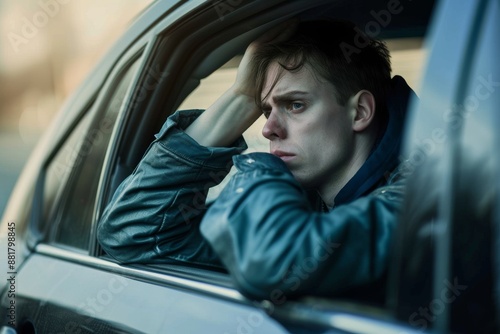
339	52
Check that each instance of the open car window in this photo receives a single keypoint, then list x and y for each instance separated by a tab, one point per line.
407	56
206	93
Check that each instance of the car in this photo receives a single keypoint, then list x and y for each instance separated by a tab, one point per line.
177	54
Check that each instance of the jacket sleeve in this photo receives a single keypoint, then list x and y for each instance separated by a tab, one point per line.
274	244
154	214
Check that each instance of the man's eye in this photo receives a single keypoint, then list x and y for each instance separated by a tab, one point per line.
266	113
296	106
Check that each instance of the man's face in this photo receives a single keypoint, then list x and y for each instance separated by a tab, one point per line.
307	128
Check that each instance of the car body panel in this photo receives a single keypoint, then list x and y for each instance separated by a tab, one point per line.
114	301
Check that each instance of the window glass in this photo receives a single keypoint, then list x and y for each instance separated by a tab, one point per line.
60	168
73	217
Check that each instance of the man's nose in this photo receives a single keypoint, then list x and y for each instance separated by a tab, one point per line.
274	127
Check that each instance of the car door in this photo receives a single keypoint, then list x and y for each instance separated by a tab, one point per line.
67	188
446	272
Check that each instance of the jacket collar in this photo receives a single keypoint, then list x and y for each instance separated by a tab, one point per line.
385	155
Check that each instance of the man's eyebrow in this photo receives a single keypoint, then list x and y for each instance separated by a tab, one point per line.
287	96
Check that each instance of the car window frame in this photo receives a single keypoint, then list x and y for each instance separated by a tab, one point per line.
92	109
81	125
104	103
299	311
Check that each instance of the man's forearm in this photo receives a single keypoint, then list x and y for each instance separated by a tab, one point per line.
163	200
224	122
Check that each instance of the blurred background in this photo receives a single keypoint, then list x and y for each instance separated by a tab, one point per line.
47	47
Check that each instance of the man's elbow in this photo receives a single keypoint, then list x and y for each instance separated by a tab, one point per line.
266	284
114	243
256	288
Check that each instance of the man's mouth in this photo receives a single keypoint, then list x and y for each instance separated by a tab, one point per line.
283	155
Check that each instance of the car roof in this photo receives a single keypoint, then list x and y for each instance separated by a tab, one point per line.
395	19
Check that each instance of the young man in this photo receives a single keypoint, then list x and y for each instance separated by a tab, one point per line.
315	215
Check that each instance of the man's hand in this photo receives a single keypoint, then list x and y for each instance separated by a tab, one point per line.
225	120
244	83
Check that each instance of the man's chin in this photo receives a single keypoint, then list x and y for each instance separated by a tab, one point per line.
303	180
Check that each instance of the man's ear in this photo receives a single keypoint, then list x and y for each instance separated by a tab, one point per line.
362	106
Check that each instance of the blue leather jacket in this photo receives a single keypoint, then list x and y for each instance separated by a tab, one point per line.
274	238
